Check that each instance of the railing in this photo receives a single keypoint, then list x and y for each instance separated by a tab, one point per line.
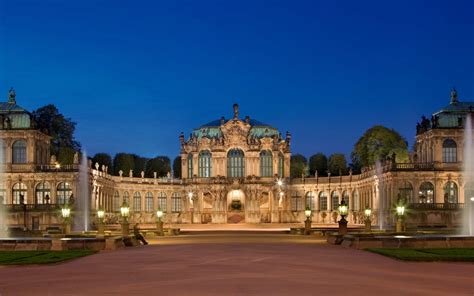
436	206
31	207
28	167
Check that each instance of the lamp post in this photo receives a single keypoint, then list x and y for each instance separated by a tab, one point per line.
400	227
343	222
159	222
307	223
100	225
368	221
66	213
125	211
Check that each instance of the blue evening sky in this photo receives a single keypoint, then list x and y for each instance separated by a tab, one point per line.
134	74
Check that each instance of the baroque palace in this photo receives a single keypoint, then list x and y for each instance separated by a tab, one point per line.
236	171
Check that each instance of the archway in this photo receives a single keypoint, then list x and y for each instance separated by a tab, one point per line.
235	206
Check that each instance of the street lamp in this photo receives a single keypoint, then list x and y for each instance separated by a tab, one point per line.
279	182
100	225
159	222
307	223
400	227
368	221
66	213
125	211
343	209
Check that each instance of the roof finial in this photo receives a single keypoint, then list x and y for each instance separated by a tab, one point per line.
454	96
236	111
11	96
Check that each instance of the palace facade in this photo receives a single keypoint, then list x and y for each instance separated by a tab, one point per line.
230	169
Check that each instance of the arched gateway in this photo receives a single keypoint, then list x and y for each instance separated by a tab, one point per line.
235	206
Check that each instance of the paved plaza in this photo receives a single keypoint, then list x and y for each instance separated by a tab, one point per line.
238	264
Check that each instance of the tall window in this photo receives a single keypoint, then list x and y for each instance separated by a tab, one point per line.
296	204
176	202
149	202
426	193
204	164
345	195
19	191
63	193
450	192
126	198
162	205
19	152
449	151
190	165
137	202
323	201
3	194
309	200
281	160
356	199
266	164
116	202
406	192
235	163
334	201
43	193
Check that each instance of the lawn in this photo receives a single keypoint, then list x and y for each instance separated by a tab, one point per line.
40	257
451	254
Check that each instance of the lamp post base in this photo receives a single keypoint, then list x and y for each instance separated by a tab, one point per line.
307	227
67	228
400	226
342	226
125	230
368	225
159	228
100	228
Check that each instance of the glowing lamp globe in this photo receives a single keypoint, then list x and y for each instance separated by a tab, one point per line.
124	210
343	209
159	214
400	210
280	183
100	214
66	212
307	213
368	212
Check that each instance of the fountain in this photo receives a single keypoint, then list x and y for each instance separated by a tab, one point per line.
82	206
468	215
378	175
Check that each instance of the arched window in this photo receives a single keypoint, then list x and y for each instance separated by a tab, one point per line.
296	202
235	163
19	193
176	202
162	205
449	151
43	193
190	165
3	194
309	203
345	195
323	201
356	199
426	193
19	152
451	192
137	202
63	193
281	163
116	202
149	202
334	201
204	164
266	164
406	193
126	198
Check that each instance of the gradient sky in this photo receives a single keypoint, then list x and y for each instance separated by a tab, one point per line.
134	74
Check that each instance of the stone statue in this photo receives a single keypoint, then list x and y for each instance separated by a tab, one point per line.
130	173
142	174
53	160
103	167
97	166
71	200
454	96
236	111
168	175
120	173
154	175
76	158
12	96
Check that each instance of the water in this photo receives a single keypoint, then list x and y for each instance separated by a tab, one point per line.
468	213
82	206
380	197
3	213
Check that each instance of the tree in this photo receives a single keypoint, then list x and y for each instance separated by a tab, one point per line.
298	166
377	143
177	167
123	162
318	162
61	129
140	165
102	159
160	165
337	164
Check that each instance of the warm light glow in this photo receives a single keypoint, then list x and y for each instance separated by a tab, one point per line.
190	195
282	193
472	198
400	210
124	210
368	212
343	210
280	182
58	166
100	214
159	214
65	212
307	213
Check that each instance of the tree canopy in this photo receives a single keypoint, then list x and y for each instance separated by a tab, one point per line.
160	165
337	164
61	129
123	162
177	167
102	159
140	165
318	162
377	143
298	166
